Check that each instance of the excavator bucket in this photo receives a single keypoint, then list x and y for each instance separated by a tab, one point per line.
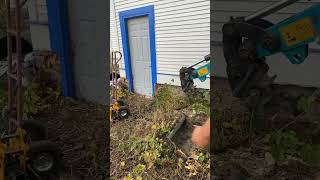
180	136
187	83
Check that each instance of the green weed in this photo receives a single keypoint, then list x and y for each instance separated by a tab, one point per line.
197	96
306	103
283	144
37	99
149	149
311	154
33	103
201	107
121	92
165	100
138	169
196	162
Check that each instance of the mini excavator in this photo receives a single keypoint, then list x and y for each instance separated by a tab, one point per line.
189	74
247	41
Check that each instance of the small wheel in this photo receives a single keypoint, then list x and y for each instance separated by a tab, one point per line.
35	130
123	112
45	158
43	162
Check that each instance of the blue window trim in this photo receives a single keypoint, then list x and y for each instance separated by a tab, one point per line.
133	13
60	41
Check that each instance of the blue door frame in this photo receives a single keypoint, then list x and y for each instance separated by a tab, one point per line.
60	41
134	13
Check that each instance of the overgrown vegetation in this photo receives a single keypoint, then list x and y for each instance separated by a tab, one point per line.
166	100
283	124
150	151
38	99
145	152
305	104
122	90
283	145
286	144
283	141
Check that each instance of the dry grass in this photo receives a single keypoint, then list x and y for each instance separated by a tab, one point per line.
151	118
244	135
80	129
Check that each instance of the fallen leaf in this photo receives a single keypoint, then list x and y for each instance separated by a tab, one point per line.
122	163
269	159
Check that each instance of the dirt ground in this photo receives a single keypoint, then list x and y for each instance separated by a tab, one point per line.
131	153
80	130
244	135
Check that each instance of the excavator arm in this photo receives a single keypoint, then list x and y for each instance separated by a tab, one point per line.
247	41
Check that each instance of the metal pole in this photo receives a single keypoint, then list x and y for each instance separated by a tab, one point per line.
19	62
9	46
270	9
112	74
205	60
115	74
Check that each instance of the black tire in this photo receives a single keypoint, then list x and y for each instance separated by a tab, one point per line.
26	46
45	150
35	130
116	75
123	112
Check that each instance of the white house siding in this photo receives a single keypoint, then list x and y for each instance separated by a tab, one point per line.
182	32
114	43
306	74
90	22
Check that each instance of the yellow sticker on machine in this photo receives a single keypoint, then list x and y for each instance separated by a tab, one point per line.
297	32
203	71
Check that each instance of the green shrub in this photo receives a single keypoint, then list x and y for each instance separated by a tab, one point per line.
283	144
